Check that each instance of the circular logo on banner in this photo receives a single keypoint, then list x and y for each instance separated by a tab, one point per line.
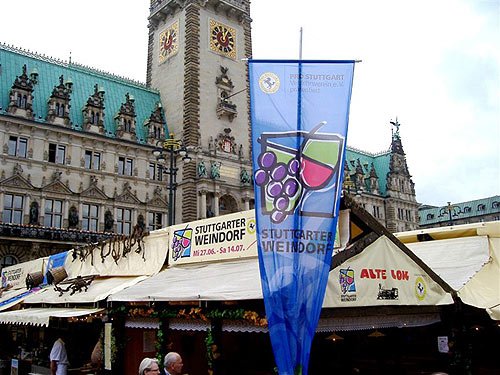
269	83
251	227
420	288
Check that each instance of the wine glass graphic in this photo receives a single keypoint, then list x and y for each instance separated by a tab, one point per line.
292	166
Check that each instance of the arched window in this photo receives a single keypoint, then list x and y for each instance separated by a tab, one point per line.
8	260
227	205
97	118
430	216
467	209
481	207
19	100
60	110
24	101
128	126
495	204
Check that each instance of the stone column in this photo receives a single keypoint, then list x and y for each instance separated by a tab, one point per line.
65	210
2	194
203	204
26	209
246	202
216	204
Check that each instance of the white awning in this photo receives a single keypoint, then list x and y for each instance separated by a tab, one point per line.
98	290
13	297
41	316
455	260
235	280
467	257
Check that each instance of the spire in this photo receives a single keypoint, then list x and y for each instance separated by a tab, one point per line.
396	145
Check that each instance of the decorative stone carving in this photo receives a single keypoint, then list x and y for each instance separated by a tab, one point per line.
226	143
225	86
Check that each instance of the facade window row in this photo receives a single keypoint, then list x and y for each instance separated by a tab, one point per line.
14	209
92	160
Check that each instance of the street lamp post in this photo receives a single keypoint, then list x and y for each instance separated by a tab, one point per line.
172	148
452	210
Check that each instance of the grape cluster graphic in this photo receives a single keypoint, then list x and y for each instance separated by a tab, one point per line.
281	183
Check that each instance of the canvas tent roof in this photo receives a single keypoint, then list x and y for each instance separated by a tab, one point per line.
479	283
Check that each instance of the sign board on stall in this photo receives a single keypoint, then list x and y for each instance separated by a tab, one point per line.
382	275
16	275
219	238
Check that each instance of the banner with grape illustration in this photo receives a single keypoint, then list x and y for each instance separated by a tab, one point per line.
299	114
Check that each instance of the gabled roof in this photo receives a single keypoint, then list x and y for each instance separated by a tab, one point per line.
84	80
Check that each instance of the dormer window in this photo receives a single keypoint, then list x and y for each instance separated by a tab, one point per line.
156	125
93	112
21	94
481	207
58	111
125	119
495	204
467	209
430	216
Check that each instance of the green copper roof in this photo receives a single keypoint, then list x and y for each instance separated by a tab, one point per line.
84	79
460	211
381	162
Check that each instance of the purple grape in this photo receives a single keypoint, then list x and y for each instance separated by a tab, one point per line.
279	172
261	177
293	167
274	189
290	187
278	216
281	203
267	160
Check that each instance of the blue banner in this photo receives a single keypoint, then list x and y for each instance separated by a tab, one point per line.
299	114
56	260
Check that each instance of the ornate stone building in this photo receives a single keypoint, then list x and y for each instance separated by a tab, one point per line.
382	184
76	163
476	211
75	160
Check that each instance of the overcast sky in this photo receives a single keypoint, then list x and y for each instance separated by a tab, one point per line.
433	64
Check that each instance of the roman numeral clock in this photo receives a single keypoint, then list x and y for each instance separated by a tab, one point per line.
222	39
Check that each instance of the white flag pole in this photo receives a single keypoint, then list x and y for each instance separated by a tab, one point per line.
300	45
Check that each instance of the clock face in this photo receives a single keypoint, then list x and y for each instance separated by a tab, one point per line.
222	39
169	42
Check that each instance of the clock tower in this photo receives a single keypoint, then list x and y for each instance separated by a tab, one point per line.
196	55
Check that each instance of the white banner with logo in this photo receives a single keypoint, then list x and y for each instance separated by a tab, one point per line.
15	275
218	238
380	275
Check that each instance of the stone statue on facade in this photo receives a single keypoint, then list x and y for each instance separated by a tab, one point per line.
34	213
109	221
215	170
244	176
73	217
202	170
